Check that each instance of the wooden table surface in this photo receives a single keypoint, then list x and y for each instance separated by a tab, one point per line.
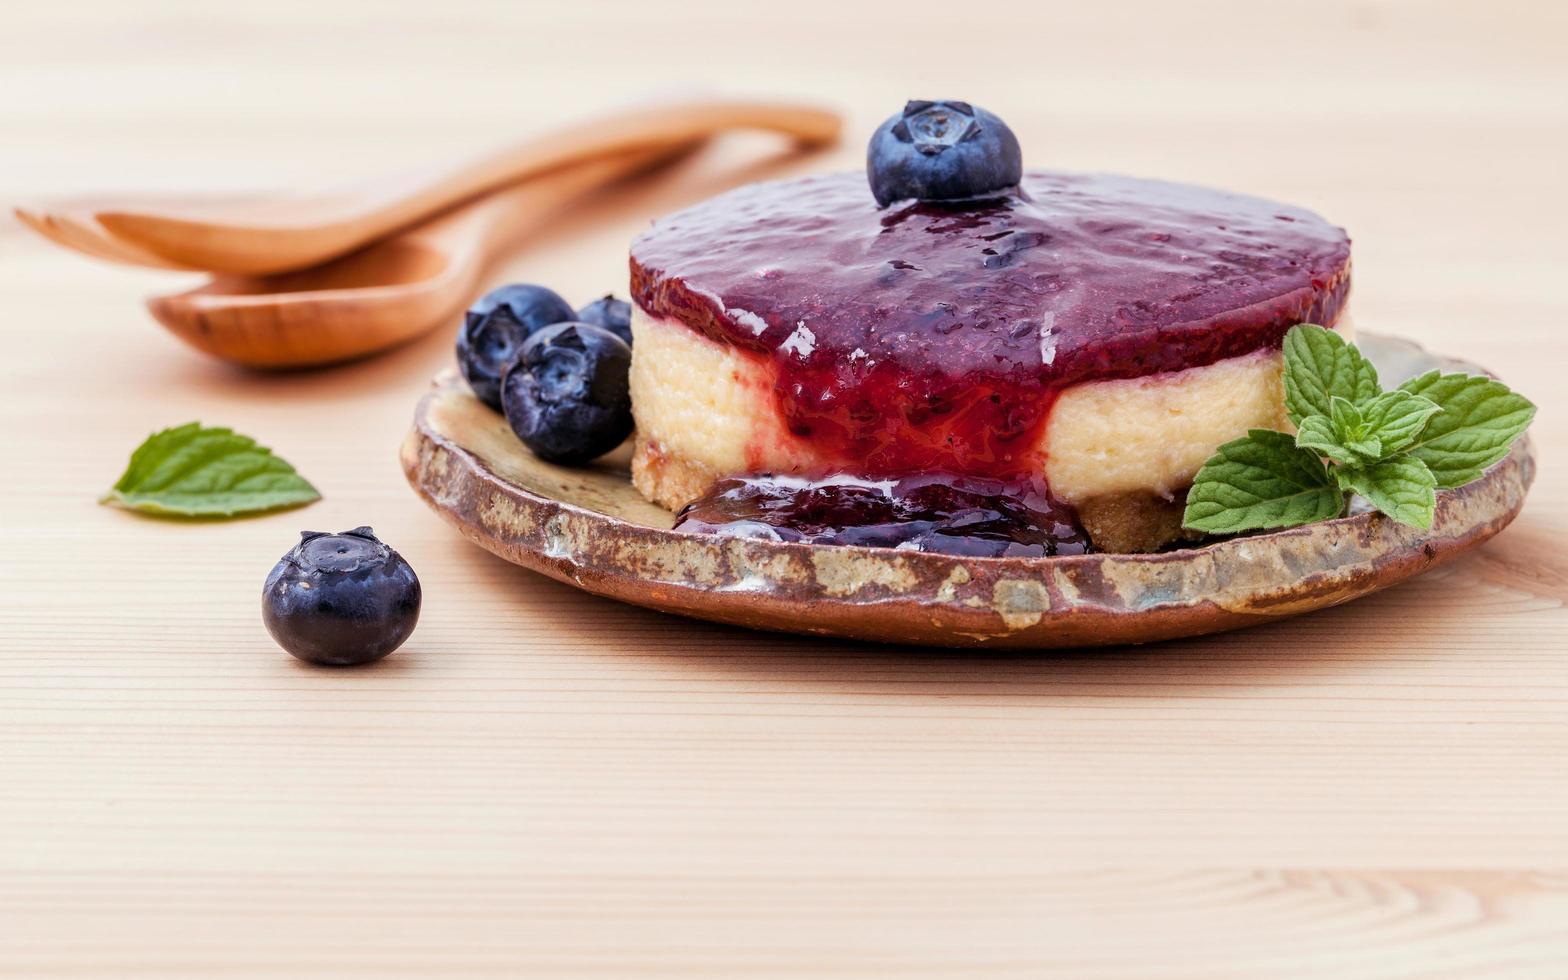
544	783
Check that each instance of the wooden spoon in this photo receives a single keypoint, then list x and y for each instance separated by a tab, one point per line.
296	232
384	295
75	228
73	223
83	233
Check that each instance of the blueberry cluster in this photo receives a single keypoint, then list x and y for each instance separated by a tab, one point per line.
559	375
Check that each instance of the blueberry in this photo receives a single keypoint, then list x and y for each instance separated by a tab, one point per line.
614	315
568	397
340	599
496	326
942	151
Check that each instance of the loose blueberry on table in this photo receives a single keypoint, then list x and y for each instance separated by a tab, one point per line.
567	396
340	600
494	330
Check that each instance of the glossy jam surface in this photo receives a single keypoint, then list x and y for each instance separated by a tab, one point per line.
930	337
954	515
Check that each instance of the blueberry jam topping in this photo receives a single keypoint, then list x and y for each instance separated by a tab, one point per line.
950	515
933	336
942	151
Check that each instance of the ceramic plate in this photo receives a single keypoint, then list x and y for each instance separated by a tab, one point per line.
589	527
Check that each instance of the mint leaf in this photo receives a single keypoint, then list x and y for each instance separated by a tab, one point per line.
1396	418
1481	418
1351	430
1402	487
1343	436
191	471
1318	366
1261	480
1318	434
1346	419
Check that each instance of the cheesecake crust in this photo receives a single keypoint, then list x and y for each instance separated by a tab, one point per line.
1134	522
669	480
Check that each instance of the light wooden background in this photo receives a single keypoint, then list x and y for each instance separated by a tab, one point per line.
546	784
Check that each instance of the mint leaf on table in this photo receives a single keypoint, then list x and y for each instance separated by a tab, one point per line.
1262	480
191	471
1319	364
1481	418
1402	487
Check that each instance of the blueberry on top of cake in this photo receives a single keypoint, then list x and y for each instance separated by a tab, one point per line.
957	315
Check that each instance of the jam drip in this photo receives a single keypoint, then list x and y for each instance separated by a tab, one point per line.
952	515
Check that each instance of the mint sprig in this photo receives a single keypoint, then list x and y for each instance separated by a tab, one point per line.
1394	448
191	471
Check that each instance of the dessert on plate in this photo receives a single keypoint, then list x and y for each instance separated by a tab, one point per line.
952	343
954	356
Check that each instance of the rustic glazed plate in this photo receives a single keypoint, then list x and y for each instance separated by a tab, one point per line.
590	528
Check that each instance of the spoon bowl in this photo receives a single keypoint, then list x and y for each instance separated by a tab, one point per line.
354	306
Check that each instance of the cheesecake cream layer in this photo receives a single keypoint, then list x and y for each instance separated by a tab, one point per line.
705	410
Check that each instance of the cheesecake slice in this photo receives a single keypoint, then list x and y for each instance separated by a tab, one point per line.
1103	334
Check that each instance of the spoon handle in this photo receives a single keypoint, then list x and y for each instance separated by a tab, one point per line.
475	232
296	231
623	132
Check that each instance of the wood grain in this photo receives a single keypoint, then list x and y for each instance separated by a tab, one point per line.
546	784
